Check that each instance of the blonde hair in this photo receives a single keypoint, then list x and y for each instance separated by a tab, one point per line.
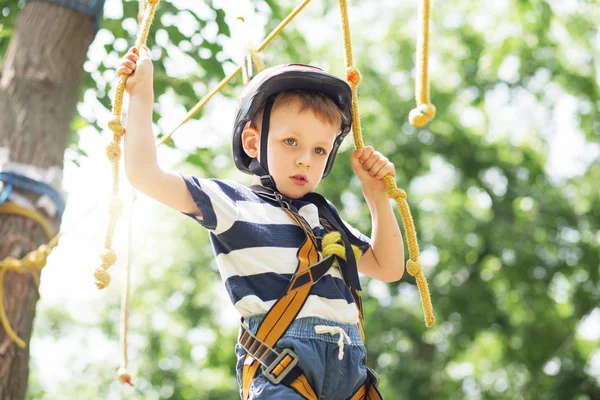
321	104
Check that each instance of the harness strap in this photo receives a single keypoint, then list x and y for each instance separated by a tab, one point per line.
284	311
281	367
368	390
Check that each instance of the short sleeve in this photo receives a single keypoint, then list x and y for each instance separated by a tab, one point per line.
359	240
216	201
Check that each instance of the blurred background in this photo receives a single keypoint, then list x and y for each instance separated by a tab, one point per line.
503	186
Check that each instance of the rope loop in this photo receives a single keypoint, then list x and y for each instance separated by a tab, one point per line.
414	268
421	115
11	264
353	75
332	244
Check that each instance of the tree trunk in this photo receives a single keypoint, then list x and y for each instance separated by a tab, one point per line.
40	83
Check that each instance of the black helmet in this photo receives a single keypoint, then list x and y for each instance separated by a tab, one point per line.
262	90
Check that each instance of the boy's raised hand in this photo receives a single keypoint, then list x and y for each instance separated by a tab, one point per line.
138	66
370	167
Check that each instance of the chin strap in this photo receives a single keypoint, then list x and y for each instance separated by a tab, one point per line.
261	168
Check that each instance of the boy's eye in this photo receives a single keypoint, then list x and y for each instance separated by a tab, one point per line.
290	142
320	151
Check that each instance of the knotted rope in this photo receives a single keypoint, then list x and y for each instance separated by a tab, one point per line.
413	265
113	152
425	111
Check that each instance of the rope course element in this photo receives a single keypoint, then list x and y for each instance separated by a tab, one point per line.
253	57
232	75
32	262
425	111
113	152
413	266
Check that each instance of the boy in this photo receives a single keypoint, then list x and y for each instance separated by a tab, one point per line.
267	239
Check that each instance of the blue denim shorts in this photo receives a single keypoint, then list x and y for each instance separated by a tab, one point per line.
330	378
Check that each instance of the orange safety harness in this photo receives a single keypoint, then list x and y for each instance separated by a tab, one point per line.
280	367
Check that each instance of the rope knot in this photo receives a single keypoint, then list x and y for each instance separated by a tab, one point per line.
116	126
34	260
413	267
113	151
115	207
421	115
353	75
124	376
109	257
396	193
102	278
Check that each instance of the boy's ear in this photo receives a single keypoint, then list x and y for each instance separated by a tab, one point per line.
251	141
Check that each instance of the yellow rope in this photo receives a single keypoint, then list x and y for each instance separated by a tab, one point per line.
228	78
124	376
9	207
113	152
413	265
32	262
425	111
332	244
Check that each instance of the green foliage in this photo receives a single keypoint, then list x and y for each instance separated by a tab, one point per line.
511	252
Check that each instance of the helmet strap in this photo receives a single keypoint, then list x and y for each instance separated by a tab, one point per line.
261	168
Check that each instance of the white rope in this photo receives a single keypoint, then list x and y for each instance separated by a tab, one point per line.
335	330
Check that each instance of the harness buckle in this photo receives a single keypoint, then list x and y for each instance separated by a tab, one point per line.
276	377
283	201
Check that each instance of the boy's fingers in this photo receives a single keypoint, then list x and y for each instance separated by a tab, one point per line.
369	162
131	56
124	70
366	153
377	166
387	169
129	64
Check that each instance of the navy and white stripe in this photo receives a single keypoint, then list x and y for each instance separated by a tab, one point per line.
255	244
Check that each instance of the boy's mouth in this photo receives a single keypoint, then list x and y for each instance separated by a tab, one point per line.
299	179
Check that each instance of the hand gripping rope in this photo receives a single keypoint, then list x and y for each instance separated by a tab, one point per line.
353	77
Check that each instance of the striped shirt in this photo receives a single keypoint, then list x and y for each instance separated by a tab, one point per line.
255	244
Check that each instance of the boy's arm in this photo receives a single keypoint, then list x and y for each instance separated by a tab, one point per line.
385	259
141	165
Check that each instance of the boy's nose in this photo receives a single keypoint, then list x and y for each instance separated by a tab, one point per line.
303	160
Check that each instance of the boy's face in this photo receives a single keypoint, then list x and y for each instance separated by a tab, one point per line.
298	148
